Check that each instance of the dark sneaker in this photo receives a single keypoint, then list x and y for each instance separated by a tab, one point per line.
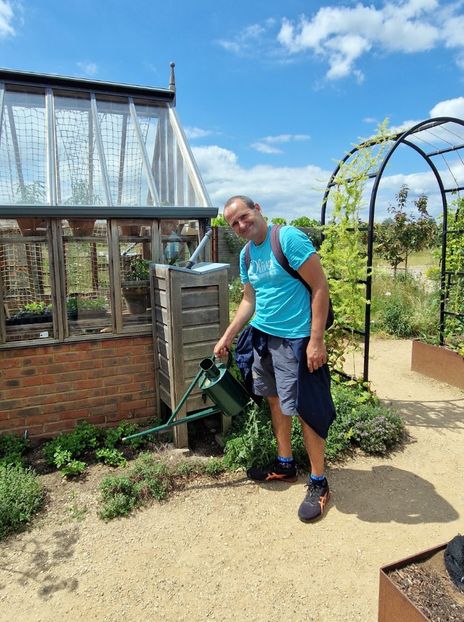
315	501
274	471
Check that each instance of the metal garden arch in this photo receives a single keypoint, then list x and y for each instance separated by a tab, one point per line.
431	139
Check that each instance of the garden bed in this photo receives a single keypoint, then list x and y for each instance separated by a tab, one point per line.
419	588
438	362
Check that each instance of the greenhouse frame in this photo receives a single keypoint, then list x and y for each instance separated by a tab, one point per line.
97	183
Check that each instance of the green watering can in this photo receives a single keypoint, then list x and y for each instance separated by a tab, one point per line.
217	383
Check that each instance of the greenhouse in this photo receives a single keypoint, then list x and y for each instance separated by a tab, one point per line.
97	181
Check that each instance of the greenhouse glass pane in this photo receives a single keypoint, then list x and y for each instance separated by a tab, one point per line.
23	149
79	172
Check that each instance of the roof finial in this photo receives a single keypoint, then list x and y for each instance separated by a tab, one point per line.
172	80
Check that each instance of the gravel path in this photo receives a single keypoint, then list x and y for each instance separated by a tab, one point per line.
234	550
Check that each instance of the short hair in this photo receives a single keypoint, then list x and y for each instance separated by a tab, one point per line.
240	197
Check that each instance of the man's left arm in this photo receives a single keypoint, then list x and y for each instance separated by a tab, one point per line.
312	272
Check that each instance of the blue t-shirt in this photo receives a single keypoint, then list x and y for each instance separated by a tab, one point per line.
283	306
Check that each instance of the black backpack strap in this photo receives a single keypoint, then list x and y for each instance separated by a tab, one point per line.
247	256
281	258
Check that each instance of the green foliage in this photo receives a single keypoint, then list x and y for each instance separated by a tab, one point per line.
214	467
21	496
66	464
404	306
36	307
235	291
12	448
78	303
139	270
148	479
398	237
278	221
219	221
454	283
251	441
343	251
113	436
304	221
111	457
85	437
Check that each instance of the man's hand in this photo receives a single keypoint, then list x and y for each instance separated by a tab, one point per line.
316	354
222	348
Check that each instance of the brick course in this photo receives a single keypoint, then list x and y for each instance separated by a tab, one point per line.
46	390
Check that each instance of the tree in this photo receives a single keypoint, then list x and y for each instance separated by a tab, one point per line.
404	233
278	221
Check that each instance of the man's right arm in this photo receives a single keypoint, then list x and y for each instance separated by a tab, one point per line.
244	313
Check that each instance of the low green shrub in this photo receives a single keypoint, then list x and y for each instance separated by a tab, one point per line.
111	457
66	464
12	448
21	496
251	441
85	437
404	306
149	478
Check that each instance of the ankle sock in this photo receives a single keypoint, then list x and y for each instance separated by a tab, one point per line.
286	463
318	479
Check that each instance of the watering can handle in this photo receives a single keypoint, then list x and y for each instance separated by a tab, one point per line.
229	359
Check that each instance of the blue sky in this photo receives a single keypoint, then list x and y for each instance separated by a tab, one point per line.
272	94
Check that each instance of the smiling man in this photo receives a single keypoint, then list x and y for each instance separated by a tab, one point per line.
289	354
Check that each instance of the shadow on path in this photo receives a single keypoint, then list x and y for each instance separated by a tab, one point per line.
386	494
448	414
43	558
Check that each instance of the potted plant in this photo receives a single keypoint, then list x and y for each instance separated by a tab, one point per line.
32	313
135	287
84	308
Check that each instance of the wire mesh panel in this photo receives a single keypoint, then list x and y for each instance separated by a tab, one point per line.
135	253
87	277
22	149
25	277
79	173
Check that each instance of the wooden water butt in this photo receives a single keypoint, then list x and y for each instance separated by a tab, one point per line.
190	311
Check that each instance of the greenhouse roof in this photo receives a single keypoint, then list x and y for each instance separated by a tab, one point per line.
74	142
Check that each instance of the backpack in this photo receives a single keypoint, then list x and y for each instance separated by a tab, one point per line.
283	261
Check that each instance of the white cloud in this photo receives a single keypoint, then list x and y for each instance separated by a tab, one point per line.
342	35
246	40
6	19
197	132
88	68
282	191
265	145
449	108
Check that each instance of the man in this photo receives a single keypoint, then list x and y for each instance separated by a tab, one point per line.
291	324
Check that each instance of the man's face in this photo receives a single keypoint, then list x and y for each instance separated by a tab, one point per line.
247	223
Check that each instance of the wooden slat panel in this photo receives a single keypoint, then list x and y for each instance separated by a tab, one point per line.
200	297
198	351
195	334
203	316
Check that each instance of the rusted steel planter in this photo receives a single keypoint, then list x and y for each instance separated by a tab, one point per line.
438	362
394	605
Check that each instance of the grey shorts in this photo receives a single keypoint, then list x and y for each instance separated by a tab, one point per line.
276	374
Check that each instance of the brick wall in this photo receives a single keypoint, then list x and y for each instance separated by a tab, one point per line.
48	389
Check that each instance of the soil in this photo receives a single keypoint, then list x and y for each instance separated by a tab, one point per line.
429	587
229	549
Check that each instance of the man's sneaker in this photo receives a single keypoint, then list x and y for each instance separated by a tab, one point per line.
274	471
315	501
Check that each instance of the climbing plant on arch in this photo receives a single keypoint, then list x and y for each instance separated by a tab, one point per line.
347	250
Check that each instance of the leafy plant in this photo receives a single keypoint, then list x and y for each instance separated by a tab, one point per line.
111	457
251	441
79	303
343	251
36	307
21	496
138	270
12	448
66	464
85	437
